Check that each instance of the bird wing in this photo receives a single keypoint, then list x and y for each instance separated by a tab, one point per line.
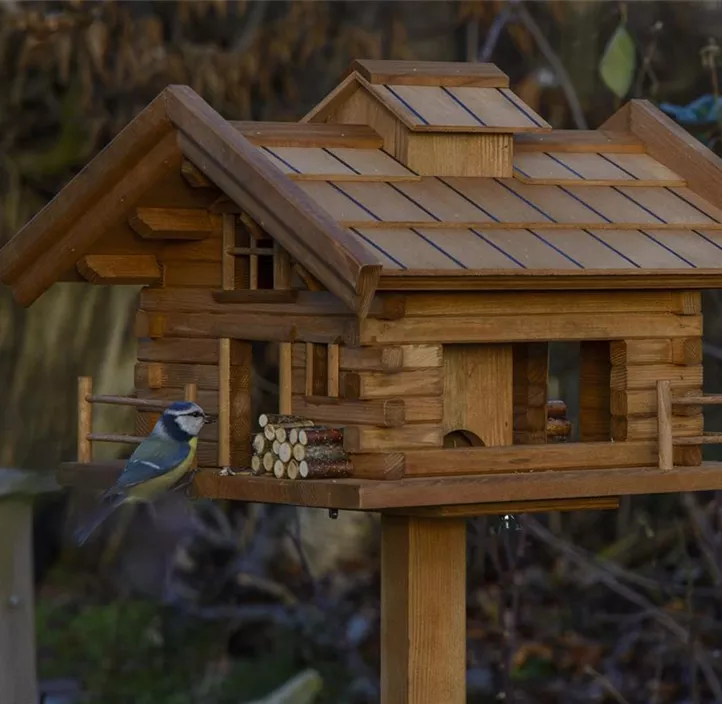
152	458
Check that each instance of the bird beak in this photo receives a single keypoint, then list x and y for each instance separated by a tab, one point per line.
209	419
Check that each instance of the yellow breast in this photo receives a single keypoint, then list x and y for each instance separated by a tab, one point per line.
158	485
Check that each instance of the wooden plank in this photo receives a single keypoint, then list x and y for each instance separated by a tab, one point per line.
530	364
248	326
389	359
333	371
85	419
424	409
440	199
156	375
364	438
630	428
570	204
280	206
410	249
188	274
495	109
477	388
594	391
240	402
591	167
366	384
371	495
667	207
310	160
122	269
246	296
308	134
431	73
673	146
692	247
542	303
18	678
529	328
511	507
423	610
178	350
602	141
641	402
638	352
664	425
171	223
646	376
432	105
207	400
549	279
387	412
372	162
644	167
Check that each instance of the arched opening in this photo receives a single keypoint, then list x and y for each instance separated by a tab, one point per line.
462	438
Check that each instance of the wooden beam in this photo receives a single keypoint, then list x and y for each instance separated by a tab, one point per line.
594	392
171	223
518	458
639	352
119	269
306	231
531	374
193	176
528	328
593	141
423	610
387	413
513	507
371	495
364	438
319	134
417	382
431	73
265	295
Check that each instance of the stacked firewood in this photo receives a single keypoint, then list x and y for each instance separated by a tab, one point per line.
559	428
296	448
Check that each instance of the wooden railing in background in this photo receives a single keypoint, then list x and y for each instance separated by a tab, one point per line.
86	400
665	438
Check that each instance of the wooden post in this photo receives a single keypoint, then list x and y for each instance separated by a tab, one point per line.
333	370
282	281
595	416
228	279
85	419
190	393
18	679
664	425
423	610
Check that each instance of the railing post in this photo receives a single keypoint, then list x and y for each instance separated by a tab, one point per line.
85	419
190	393
664	425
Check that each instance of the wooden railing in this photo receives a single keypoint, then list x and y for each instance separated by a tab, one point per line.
86	401
665	437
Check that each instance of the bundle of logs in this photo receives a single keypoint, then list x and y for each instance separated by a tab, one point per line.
559	428
293	447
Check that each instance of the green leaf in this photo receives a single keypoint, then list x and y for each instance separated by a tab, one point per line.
618	62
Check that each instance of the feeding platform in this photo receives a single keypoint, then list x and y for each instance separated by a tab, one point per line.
409	251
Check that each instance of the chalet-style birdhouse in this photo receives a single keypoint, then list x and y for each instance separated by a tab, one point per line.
412	245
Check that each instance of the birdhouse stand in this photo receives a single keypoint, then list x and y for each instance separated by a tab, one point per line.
410	249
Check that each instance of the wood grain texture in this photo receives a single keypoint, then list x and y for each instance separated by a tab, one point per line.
389	413
431	73
646	376
423	610
364	438
599	141
371	495
18	678
171	223
511	507
477	387
530	374
366	385
682	351
125	269
305	231
644	427
309	134
664	425
85	419
156	375
594	391
529	328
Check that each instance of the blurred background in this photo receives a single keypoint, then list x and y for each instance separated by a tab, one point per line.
226	603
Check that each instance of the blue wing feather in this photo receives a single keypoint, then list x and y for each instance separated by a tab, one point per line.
152	458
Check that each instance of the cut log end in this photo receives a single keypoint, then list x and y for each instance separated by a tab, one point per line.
257	465
279	469
293	470
281	434
285	452
283	420
259	443
556	409
268	460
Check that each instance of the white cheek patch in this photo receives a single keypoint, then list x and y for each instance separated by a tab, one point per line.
189	424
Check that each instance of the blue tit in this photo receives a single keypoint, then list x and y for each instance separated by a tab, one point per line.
156	465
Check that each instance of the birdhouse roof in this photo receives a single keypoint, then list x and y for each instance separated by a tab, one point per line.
631	205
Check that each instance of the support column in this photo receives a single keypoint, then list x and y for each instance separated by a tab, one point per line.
423	610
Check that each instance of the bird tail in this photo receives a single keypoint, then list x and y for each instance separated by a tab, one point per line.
109	505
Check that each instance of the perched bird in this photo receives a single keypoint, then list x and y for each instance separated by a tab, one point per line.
156	465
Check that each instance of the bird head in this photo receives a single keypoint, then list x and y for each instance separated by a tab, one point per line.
183	419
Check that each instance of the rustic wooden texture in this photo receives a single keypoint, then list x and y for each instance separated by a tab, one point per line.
431	73
246	296
503	303
477	279
529	328
125	269
599	141
171	223
266	327
512	507
673	146
156	375
282	282
228	279
627	378
333	372
374	495
643	428
364	438
594	392
639	352
97	196
366	385
318	134
378	466
85	419
307	233
530	365
641	402
179	350
477	388
423	610
18	679
392	358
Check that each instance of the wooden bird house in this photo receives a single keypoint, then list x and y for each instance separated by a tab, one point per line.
413	246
